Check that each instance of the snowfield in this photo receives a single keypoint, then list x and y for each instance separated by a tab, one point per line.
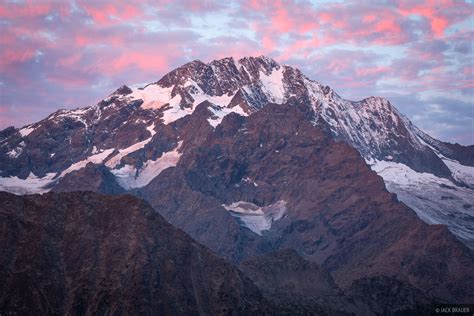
31	185
435	200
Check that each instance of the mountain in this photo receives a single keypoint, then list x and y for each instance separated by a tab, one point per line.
250	158
299	286
285	274
84	253
273	180
92	177
136	134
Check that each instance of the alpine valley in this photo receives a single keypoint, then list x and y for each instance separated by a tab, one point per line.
314	204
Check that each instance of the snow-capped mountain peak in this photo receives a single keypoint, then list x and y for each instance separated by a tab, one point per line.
136	127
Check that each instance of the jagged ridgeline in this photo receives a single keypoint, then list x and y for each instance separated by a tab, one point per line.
272	171
130	137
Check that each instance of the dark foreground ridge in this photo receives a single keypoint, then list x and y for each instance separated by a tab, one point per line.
85	253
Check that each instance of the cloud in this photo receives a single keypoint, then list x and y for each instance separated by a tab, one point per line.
56	54
441	117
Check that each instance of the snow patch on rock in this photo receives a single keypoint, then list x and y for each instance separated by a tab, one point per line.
115	160
174	112
256	218
130	177
218	113
76	114
25	131
462	173
96	159
272	85
200	96
16	152
248	180
154	96
31	185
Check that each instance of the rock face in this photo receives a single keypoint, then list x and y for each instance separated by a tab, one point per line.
85	253
137	133
299	286
92	177
337	211
388	296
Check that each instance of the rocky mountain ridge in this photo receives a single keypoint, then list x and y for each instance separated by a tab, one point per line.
264	167
136	134
310	193
84	253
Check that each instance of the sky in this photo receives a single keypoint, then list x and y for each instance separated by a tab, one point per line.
68	54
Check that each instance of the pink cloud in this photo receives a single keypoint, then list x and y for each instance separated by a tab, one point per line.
369	18
268	43
10	57
281	19
439	14
300	47
370	71
93	38
108	13
387	25
70	61
468	70
25	10
150	62
70	79
82	40
325	17
438	25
